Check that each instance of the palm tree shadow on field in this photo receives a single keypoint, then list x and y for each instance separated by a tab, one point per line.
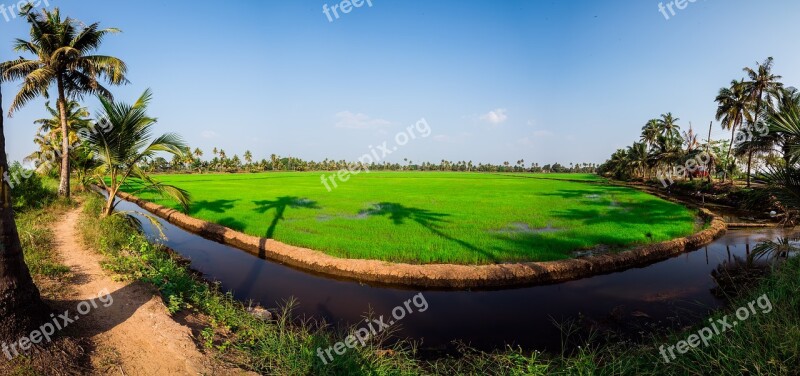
432	221
216	206
594	210
602	208
280	205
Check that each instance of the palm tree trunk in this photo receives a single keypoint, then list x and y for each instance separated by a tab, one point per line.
63	187
21	307
109	207
749	163
755	123
730	150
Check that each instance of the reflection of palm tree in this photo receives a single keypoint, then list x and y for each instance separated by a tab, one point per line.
280	205
741	274
780	248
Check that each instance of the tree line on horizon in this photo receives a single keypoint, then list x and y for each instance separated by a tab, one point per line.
49	142
192	162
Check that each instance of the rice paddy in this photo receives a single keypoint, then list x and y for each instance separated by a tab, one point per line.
435	217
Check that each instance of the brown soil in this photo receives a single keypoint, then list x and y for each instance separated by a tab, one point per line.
135	335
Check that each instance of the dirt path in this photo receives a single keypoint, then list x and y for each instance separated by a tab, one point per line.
135	334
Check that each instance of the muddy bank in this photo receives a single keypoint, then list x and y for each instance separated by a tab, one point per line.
439	276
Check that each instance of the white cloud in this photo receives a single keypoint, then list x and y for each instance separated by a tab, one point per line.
349	120
542	133
208	134
495	117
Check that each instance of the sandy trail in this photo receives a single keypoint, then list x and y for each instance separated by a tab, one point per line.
135	334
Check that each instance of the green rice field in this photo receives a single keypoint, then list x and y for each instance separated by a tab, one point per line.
435	217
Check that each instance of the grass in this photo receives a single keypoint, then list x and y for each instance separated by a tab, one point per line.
765	344
466	218
281	347
35	216
35	222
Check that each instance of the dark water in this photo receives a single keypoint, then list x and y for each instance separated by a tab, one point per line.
671	292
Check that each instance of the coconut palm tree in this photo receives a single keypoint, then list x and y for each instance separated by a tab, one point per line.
125	144
21	306
733	110
650	133
50	130
248	157
637	157
787	124
782	180
62	50
77	118
618	165
761	88
668	125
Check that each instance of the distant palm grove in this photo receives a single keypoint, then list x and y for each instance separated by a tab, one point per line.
191	160
761	114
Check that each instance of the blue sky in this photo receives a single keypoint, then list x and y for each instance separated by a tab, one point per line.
544	81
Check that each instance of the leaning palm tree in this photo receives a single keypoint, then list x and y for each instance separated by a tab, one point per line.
127	143
62	57
761	89
733	110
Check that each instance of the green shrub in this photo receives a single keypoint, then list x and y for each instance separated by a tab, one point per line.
28	190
